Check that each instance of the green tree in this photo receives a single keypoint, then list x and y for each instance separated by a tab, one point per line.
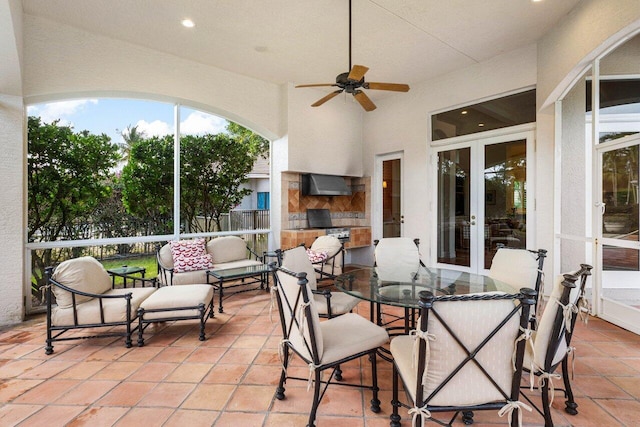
131	135
212	171
67	179
147	183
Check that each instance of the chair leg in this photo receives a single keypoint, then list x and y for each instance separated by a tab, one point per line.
571	407
316	399
283	374
338	373
375	402
548	421
395	417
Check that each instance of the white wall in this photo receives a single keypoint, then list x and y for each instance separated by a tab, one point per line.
12	172
325	139
401	123
61	61
585	33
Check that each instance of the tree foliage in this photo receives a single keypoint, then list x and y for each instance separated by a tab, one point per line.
67	179
212	171
147	182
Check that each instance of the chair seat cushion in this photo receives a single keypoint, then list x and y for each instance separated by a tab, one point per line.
340	303
168	298
349	334
114	308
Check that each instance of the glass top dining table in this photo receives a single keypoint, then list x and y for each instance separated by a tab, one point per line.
401	288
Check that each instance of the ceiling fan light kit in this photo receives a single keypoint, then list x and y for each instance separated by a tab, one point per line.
353	81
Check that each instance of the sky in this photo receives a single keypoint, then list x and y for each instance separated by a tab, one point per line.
112	116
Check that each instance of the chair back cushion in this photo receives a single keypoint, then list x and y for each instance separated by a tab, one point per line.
545	327
227	249
299	331
516	267
329	244
83	274
190	255
165	256
397	259
470	386
297	260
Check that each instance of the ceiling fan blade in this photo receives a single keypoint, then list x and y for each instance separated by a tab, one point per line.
396	87
364	100
357	72
317	85
326	98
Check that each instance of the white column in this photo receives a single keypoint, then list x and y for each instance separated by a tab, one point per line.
12	209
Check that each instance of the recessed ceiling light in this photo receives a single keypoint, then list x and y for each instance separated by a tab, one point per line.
480	124
464	112
188	23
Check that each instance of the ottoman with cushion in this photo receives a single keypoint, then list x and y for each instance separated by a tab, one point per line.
170	303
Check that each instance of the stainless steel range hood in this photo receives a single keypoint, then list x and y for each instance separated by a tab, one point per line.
324	185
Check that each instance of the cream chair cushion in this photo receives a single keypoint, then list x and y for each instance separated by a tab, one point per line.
331	245
169	297
114	308
397	259
469	386
516	267
542	335
349	334
226	249
290	288
83	274
296	260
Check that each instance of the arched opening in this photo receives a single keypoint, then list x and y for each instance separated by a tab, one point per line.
113	177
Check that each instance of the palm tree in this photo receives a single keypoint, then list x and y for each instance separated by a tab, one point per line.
131	135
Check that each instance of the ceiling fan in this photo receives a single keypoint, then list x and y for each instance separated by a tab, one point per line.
353	81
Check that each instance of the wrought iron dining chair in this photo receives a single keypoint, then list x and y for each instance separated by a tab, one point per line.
396	259
521	268
466	355
330	266
322	345
551	342
328	303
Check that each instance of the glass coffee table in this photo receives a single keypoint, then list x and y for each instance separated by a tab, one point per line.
257	274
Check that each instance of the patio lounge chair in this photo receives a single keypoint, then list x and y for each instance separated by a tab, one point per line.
85	299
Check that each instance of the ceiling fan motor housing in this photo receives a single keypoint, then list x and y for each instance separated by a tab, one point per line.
349	86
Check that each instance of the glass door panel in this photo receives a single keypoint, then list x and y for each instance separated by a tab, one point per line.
454	207
391	198
482	200
505	211
620	288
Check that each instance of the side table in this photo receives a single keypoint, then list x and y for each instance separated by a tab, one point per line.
123	272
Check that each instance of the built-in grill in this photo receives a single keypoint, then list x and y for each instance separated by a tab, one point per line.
321	218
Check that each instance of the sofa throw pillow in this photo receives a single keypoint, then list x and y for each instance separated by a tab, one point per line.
190	255
316	256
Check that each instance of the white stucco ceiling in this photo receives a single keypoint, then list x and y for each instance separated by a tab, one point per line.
306	41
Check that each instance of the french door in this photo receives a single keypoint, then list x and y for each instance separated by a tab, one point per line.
617	241
389	217
482	203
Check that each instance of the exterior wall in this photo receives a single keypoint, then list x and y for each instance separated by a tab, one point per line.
326	139
12	172
401	123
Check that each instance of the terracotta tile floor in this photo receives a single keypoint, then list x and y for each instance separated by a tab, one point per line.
230	379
